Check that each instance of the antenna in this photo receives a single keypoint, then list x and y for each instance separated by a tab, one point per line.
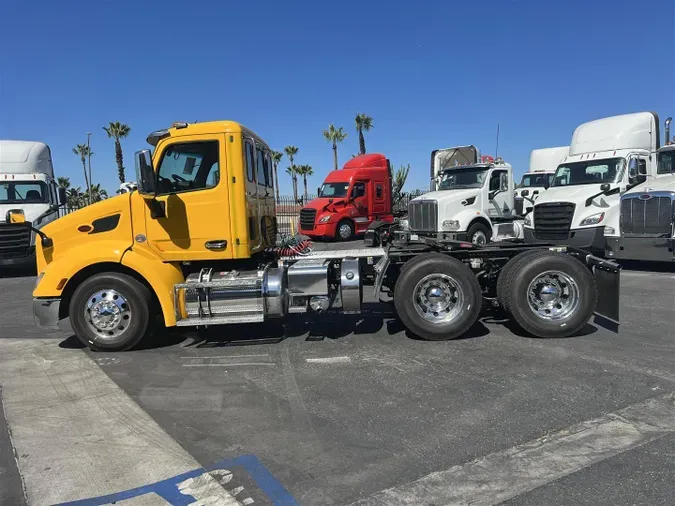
497	148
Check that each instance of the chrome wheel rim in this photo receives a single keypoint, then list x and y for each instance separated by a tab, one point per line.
479	237
553	295
107	313
345	231
438	298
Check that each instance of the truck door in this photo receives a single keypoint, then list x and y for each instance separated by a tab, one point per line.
255	193
378	199
265	195
359	203
191	218
499	199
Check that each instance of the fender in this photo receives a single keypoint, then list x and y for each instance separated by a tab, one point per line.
159	275
66	266
467	216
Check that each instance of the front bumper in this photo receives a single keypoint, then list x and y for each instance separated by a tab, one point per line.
320	230
654	249
591	239
46	313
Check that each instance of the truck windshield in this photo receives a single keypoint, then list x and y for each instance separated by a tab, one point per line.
332	190
23	192
456	179
666	162
589	172
536	180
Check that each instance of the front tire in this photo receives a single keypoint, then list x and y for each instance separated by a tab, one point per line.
344	231
479	233
437	297
551	294
110	311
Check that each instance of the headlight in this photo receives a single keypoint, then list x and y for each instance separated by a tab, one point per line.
593	219
324	219
610	231
527	220
404	224
451	225
469	201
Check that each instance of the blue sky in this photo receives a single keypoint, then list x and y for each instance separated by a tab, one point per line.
432	74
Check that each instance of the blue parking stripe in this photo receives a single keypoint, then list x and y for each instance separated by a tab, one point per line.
168	489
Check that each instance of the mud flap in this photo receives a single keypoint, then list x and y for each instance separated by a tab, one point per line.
608	280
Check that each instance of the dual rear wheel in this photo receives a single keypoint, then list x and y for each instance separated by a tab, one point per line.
548	294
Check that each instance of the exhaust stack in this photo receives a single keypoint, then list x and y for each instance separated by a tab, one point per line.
668	120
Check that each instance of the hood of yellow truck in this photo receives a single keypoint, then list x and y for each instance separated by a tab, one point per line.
108	220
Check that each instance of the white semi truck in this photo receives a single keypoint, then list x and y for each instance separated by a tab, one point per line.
646	228
586	190
543	164
27	185
471	198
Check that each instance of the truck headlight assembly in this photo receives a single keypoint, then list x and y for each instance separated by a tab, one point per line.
451	225
527	221
324	219
469	201
593	219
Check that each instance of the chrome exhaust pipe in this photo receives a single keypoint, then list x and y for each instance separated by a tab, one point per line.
668	120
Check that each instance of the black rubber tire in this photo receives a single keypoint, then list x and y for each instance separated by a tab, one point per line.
428	263
476	227
530	266
337	231
507	271
137	295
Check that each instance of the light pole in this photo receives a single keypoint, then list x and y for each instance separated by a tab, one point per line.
91	183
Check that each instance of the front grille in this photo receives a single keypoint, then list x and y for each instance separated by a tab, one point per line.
307	217
649	217
423	216
552	221
14	240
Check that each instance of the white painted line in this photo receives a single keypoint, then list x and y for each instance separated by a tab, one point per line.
228	364
205	357
329	360
76	433
648	274
506	474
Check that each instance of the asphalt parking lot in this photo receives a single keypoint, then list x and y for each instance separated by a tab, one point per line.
345	410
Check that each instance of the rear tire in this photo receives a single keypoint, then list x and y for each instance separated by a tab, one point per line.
478	233
344	231
437	297
551	294
111	311
506	275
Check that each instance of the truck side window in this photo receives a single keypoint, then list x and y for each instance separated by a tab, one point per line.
250	166
378	191
495	181
188	166
270	174
262	172
359	190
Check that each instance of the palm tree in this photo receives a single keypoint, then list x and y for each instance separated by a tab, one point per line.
63	182
304	171
83	151
118	131
97	193
291	151
75	198
276	158
334	135
363	123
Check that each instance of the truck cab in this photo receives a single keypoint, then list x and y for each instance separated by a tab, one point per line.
607	157
646	228
350	199
27	186
543	164
470	200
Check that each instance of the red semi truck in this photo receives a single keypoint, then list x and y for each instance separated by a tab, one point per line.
350	199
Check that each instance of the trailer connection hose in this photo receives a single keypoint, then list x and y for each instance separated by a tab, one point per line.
291	245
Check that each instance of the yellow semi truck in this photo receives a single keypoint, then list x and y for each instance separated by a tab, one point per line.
196	246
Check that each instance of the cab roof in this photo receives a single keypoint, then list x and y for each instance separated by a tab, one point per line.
202	128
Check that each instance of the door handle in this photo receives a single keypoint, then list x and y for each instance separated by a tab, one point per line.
216	245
